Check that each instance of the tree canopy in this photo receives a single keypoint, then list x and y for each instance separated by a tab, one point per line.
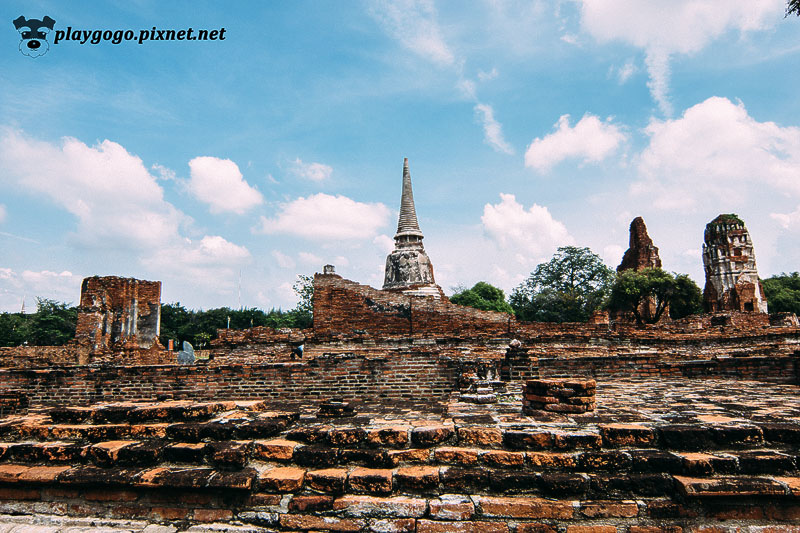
568	288
783	293
53	324
483	296
793	7
687	299
634	289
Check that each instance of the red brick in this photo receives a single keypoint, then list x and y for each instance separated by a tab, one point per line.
460	456
110	495
655	529
393	437
429	526
212	515
535	528
169	513
397	507
327	480
282	479
310	504
19	494
609	509
309	522
274	450
452	507
524	507
480	436
417	478
414	455
502	458
591	529
371	480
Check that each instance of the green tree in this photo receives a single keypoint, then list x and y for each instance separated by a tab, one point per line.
53	324
687	300
783	293
568	288
303	314
483	296
793	7
14	329
633	289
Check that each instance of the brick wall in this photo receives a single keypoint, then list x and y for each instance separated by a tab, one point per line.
411	376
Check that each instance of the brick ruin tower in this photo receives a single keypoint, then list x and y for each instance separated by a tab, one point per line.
118	314
731	277
408	268
641	254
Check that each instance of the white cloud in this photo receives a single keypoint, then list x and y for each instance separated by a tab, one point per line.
311	171
717	150
492	131
626	71
120	210
486	76
612	254
117	202
591	140
164	173
219	183
533	232
28	285
662	29
309	258
384	243
3	213
414	24
322	216
283	260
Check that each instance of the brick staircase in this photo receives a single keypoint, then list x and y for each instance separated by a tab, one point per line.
238	463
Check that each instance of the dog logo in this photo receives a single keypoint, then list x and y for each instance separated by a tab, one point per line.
34	35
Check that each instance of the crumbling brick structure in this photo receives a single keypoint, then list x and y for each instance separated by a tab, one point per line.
119	314
732	282
641	254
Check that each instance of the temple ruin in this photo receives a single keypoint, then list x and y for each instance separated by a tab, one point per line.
408	268
641	254
408	413
732	282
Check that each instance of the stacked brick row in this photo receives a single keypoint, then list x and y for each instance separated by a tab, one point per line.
235	462
559	395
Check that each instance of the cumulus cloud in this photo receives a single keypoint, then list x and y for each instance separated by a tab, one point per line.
283	260
309	258
414	23
117	202
311	171
533	232
322	216
27	285
662	29
625	72
119	207
492	131
591	140
219	183
716	149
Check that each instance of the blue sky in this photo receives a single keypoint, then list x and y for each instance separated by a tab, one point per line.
528	126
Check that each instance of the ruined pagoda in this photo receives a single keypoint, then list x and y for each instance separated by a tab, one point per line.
408	268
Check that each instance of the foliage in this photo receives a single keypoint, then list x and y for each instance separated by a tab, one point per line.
687	300
53	324
634	288
793	7
568	288
200	327
483	296
783	293
304	288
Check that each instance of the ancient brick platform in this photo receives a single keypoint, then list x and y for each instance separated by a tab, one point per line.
656	455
